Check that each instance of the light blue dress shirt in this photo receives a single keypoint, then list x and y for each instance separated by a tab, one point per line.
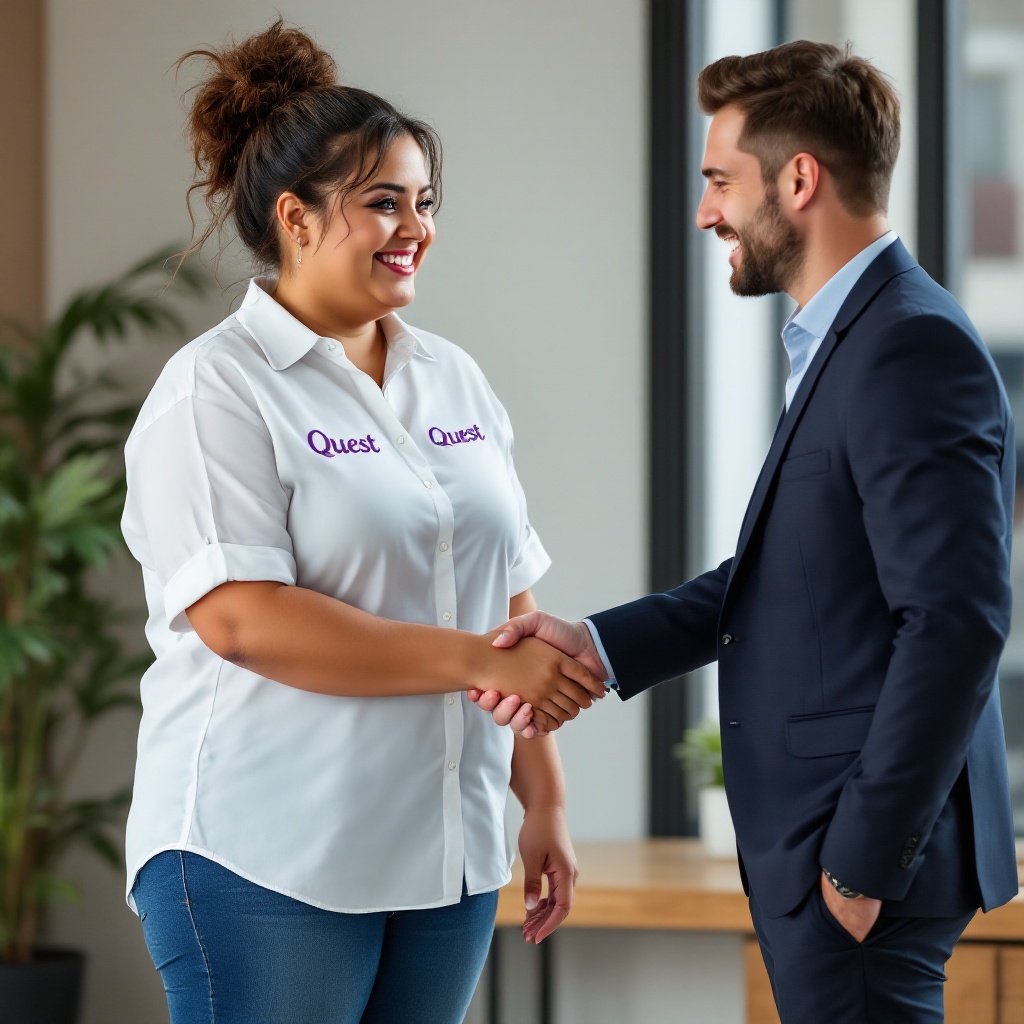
802	336
807	326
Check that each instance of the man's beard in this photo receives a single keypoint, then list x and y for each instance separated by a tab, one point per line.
773	251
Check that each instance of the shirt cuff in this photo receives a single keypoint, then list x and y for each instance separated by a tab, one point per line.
602	654
216	564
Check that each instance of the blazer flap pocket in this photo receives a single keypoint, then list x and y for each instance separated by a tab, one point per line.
806	464
825	735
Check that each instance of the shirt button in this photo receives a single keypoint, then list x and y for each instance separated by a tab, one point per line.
400	439
447	616
451	700
428	484
728	639
451	766
331	346
444	545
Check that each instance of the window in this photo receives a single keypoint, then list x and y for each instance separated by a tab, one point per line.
992	172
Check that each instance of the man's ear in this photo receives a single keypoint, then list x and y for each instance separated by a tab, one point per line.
799	180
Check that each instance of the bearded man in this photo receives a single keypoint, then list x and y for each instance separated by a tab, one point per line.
859	624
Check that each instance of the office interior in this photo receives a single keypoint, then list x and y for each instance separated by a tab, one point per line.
643	393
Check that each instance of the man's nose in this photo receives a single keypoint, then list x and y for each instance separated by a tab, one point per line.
707	214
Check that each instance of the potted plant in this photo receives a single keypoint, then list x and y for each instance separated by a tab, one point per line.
701	752
61	665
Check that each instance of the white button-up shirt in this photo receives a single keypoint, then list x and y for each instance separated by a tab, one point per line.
262	453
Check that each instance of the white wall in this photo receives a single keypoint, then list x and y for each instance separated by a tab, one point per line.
539	270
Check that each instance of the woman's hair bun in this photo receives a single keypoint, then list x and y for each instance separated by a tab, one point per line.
248	81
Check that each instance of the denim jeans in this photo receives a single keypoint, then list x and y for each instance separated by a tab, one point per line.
231	952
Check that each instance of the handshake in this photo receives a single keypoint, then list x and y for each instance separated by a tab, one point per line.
549	671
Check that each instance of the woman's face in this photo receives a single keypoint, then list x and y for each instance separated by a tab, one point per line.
366	261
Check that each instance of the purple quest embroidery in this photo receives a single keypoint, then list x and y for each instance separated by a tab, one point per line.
444	438
331	446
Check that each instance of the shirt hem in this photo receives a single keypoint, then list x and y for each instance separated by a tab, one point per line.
283	891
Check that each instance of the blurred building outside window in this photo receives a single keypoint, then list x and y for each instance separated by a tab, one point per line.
993	276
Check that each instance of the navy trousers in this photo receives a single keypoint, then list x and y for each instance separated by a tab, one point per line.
820	974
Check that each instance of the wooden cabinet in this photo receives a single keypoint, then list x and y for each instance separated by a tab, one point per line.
1011	985
985	986
760	1001
972	983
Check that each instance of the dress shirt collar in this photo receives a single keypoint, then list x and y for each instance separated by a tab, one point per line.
285	340
822	309
807	326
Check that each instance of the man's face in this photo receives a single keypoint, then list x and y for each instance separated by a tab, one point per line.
766	249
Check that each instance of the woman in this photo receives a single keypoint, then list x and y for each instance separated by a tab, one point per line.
329	523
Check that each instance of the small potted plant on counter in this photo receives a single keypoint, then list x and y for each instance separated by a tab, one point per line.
701	753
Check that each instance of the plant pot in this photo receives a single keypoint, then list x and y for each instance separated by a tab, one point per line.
715	822
43	991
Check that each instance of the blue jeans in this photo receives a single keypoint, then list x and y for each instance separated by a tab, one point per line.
231	952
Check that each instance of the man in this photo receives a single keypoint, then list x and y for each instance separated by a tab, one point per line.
859	624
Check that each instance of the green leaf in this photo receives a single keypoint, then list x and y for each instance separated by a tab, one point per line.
117	417
102	844
71	487
109	311
23	645
10	508
50	888
37	644
110	681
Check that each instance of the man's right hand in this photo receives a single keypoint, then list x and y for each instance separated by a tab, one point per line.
556	686
513	708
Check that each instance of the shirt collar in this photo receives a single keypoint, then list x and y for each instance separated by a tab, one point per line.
285	340
820	312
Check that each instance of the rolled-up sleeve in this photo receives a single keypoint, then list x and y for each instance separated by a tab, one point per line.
205	502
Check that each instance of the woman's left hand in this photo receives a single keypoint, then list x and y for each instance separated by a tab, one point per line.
546	850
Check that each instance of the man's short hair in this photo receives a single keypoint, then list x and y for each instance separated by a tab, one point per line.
814	98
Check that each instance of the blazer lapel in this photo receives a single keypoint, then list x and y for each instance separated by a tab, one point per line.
891	261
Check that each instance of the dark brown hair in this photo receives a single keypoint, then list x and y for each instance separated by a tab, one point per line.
814	98
271	118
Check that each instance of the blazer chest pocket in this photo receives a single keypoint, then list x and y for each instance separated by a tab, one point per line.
808	464
829	734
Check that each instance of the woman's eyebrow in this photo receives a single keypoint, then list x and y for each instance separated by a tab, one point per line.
390	186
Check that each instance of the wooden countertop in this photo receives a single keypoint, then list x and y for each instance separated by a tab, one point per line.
671	884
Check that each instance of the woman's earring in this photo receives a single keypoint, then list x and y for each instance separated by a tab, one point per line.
299	261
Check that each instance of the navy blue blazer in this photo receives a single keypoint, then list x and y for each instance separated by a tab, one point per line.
859	625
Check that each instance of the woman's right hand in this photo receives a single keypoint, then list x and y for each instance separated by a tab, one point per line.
554	684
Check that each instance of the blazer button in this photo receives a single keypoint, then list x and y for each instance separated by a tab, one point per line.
728	638
909	849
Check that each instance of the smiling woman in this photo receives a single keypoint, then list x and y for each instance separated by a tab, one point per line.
362	252
301	530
